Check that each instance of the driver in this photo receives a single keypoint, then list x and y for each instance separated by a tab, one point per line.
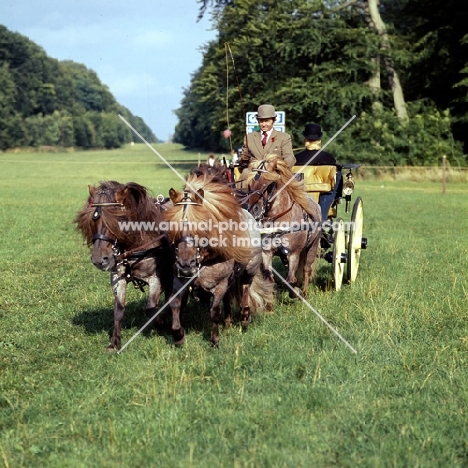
267	141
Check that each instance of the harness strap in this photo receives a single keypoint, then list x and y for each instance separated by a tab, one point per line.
142	250
104	238
274	218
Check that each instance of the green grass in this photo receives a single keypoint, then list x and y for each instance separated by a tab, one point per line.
286	393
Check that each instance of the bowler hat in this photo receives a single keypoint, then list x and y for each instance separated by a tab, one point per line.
312	132
266	111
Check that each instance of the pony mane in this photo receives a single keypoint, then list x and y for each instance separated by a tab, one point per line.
205	219
283	175
217	171
138	206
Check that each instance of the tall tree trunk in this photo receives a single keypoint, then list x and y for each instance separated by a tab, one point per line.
374	84
398	96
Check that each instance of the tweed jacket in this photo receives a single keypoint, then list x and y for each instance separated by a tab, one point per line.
278	143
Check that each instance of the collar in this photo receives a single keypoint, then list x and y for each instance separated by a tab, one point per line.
268	134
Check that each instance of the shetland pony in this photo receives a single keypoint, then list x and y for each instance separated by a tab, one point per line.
290	219
216	249
137	253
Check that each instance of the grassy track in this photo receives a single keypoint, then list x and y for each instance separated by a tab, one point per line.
287	393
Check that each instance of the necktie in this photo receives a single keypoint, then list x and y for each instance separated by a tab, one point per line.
264	139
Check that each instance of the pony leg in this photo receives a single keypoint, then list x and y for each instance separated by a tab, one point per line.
310	266
227	311
215	316
119	287
154	293
215	312
176	300
293	261
246	318
267	262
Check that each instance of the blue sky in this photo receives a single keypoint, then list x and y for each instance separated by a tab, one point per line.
144	50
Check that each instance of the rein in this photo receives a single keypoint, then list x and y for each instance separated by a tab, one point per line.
266	206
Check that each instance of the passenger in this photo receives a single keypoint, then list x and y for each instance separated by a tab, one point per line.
313	142
267	140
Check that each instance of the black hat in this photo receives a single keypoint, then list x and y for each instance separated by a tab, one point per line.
312	132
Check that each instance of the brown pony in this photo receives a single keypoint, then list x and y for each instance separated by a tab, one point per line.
217	249
130	252
290	218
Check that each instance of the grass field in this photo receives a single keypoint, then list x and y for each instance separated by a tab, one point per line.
286	393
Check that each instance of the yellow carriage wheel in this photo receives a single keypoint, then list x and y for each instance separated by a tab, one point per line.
339	254
355	242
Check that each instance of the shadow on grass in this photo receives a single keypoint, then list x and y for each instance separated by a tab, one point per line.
322	281
195	319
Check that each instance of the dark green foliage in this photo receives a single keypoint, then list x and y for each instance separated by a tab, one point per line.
378	138
47	102
437	32
314	60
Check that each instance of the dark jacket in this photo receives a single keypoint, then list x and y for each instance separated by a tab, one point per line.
323	159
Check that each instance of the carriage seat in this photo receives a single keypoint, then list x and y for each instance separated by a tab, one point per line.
317	179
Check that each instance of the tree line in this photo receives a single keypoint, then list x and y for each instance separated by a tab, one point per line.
44	101
400	66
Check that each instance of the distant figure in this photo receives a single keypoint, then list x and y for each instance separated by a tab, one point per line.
234	158
313	142
212	160
268	140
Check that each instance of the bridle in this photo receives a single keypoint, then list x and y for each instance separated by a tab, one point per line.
186	201
265	195
122	256
187	239
97	215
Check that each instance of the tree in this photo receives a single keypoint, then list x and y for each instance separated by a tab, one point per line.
397	90
321	61
47	102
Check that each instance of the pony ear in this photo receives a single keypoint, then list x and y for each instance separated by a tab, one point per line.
92	190
175	196
201	195
131	194
121	196
271	164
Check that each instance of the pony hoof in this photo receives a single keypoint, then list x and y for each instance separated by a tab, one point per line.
297	293
227	323
112	349
180	343
159	322
246	323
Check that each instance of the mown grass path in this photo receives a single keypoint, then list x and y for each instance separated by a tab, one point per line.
286	393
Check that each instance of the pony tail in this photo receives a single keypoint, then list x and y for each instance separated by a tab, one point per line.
261	293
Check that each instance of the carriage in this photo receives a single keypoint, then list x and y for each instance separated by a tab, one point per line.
341	242
330	186
242	271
